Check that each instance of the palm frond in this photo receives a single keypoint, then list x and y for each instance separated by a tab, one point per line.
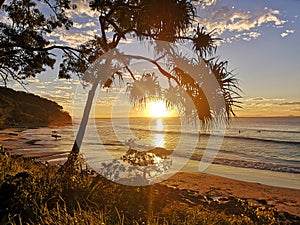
204	42
146	87
228	84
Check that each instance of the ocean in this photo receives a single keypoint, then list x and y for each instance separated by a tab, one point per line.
262	150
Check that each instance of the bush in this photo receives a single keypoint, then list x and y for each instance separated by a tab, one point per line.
34	193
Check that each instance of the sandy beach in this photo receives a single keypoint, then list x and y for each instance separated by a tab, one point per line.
283	199
211	186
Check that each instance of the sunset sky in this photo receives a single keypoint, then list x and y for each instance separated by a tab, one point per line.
261	41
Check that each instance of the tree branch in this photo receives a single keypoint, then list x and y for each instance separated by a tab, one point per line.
41	49
131	74
101	21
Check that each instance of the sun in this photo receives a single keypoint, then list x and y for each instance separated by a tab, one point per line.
158	109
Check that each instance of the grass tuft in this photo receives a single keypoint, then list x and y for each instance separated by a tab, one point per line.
34	193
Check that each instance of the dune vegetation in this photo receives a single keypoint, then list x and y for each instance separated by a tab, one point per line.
37	193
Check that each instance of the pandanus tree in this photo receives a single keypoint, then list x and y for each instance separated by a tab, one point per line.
171	21
25	51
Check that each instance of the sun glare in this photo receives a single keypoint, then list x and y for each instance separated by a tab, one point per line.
158	109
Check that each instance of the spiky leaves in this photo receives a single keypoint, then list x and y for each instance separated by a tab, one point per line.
163	20
150	19
228	84
204	42
143	89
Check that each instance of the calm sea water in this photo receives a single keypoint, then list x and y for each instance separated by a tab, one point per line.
259	144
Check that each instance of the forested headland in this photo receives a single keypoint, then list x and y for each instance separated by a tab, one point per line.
21	109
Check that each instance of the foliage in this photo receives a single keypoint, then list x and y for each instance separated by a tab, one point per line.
146	86
24	48
32	193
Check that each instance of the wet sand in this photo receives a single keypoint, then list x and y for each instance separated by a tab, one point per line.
15	143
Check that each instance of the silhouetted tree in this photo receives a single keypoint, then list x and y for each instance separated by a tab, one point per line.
24	48
167	20
24	52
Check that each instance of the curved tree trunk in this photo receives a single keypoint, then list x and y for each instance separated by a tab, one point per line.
73	156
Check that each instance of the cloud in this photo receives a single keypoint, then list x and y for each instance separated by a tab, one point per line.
270	16
290	103
33	80
64	87
206	3
260	106
91	32
84	25
73	39
71	81
55	92
270	102
258	99
58	98
246	36
287	32
239	23
290	31
254	100
82	9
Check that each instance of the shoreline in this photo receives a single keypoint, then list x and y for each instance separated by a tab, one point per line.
215	188
282	198
266	177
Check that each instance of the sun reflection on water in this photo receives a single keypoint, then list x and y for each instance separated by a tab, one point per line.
159	138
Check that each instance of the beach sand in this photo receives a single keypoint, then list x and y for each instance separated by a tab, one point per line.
212	186
283	199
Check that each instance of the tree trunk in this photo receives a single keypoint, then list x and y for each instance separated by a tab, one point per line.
73	156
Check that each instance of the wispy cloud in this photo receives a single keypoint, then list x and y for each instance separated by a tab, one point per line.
290	103
258	99
64	87
239	23
287	32
84	25
41	86
255	99
261	106
33	80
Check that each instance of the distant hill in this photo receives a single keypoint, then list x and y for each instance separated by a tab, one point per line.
21	109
